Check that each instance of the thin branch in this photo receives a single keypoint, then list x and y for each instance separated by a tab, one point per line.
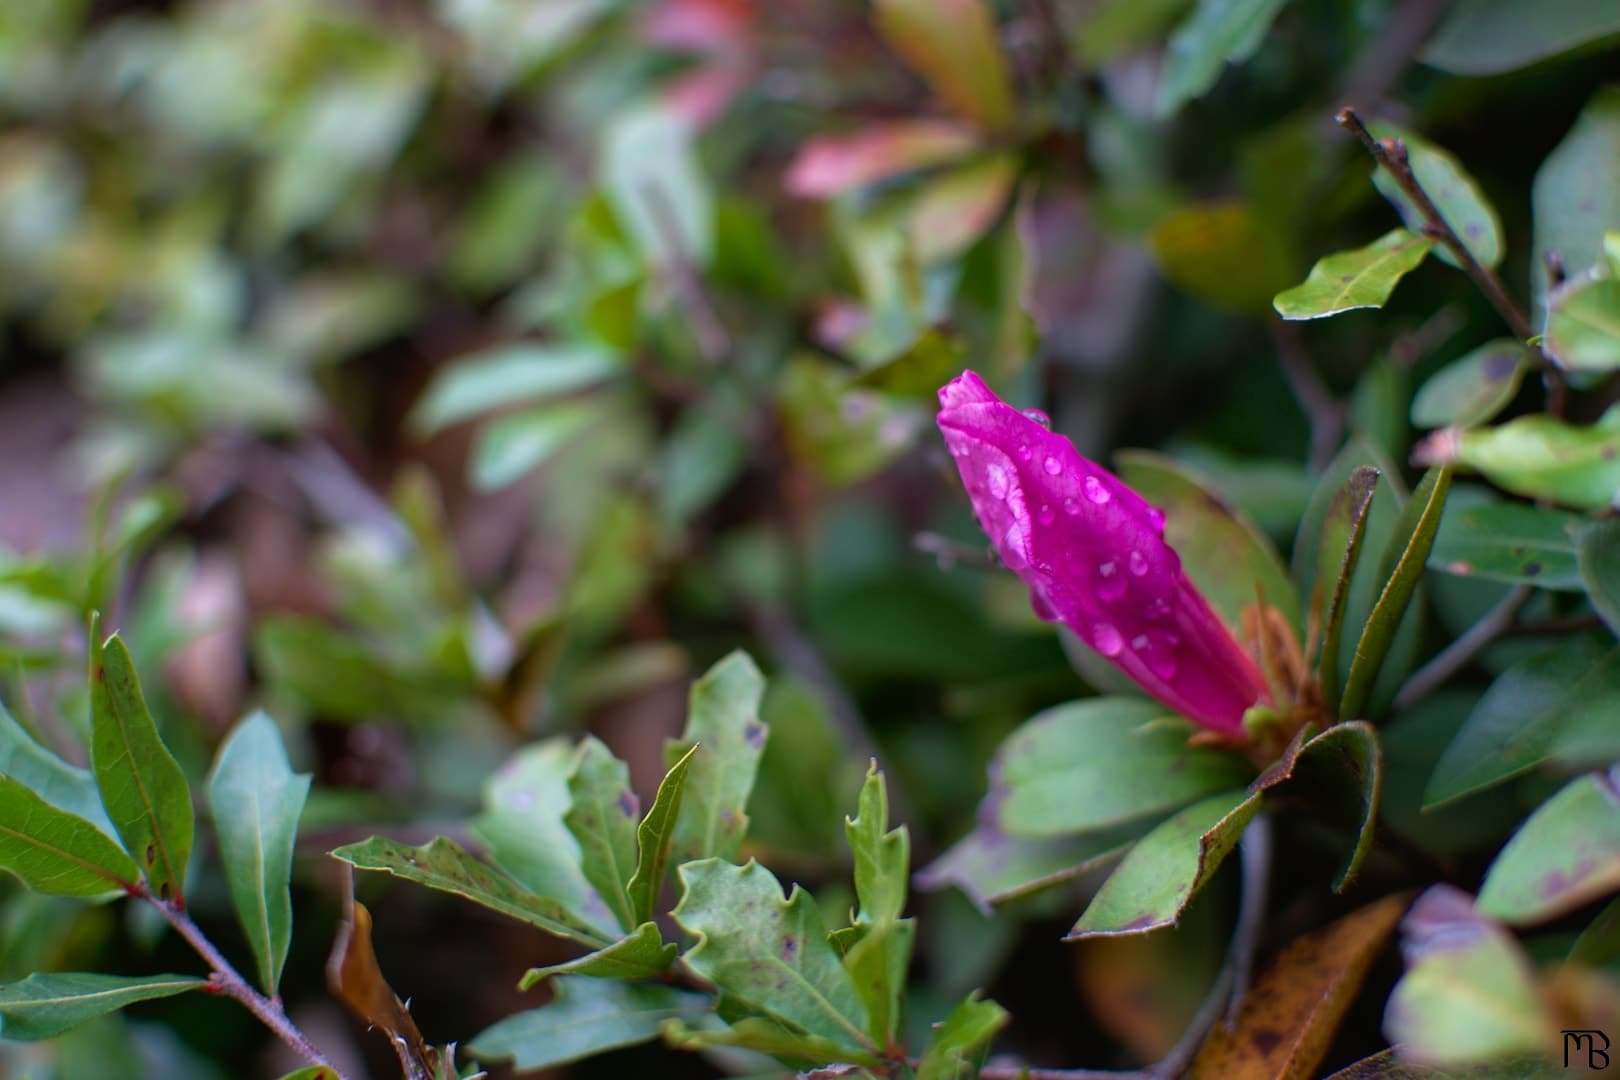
1321	408
227	981
1454	657
948	553
1390	51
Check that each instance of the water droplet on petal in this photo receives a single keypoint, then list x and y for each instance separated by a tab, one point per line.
1095	491
1071	507
1013	549
959	450
1156	519
1024	453
1106	640
1039	417
1045	514
996	477
1052	466
1110	582
1157	648
1138	563
1157	608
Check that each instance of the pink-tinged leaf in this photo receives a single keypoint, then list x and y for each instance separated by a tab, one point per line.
831	165
952	212
953	45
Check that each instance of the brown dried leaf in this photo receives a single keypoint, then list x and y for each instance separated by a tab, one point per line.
356	979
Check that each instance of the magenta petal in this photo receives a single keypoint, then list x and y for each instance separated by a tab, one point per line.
1092	552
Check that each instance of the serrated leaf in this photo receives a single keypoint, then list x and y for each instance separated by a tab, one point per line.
1217	33
1574	198
43	1006
1363	278
1583	325
1453	191
1468	994
762	1034
1540	457
1597	553
1344	526
141	784
991	867
1473	388
602	816
1291	1015
55	852
1160	875
961	1040
1126	754
1508	541
653	837
1417	539
1556	705
441	864
879	959
723	721
770	953
1486	37
48	776
954	46
587	1017
641	954
1566	854
507	375
256	800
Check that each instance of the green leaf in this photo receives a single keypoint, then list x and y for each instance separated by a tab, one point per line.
640	955
1565	856
770	954
1226	253
256	799
723	721
1540	457
1574	197
1454	192
48	776
510	446
1583	325
1468	994
44	1006
1473	388
602	816
961	1040
441	864
1348	280
1486	37
880	958
955	47
1597	553
653	180
1507	541
508	375
141	784
1599	943
1558	705
1338	551
764	1035
55	852
587	1017
1157	879
1341	773
1217	33
991	867
1127	755
1428	501
311	1072
653	838
1221	550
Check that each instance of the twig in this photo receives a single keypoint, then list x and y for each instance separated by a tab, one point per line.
947	552
227	981
712	339
1454	657
1556	627
1390	52
1255	853
1321	408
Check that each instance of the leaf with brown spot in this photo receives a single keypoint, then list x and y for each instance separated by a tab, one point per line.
356	979
1293	1011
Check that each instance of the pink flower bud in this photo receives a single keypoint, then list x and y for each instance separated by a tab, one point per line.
1092	552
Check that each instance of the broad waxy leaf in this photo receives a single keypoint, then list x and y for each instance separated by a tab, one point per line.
1541	457
602	816
1566	855
256	800
770	953
953	44
1597	552
441	864
1454	192
653	838
1126	754
141	784
43	1006
1468	995
1485	37
992	868
1363	278
1574	198
961	1040
1338	551
48	776
723	721
55	852
1583	325
1508	541
509	375
1223	553
641	954
1557	705
1428	501
1160	875
1292	1013
1473	388
586	1017
1217	33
